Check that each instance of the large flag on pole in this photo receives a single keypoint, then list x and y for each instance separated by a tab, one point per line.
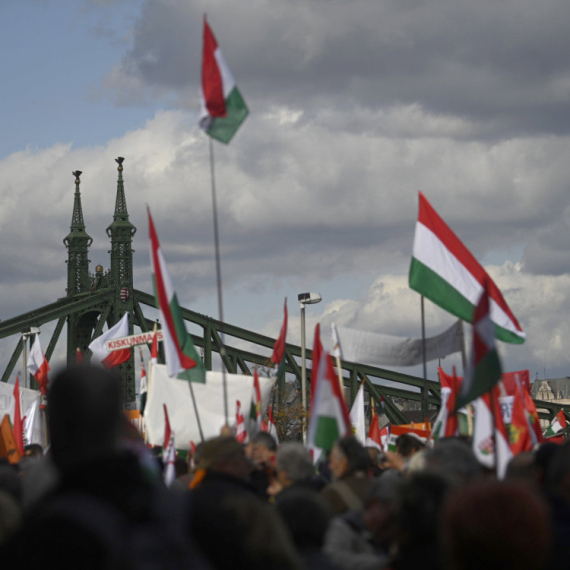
112	358
484	370
444	271
329	418
447	422
182	360
223	109
38	365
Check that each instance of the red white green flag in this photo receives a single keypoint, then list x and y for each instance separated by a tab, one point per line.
182	360
377	437
223	109
484	370
444	271
557	425
329	418
143	386
317	351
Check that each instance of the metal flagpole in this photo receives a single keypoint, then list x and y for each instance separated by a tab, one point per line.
218	277
425	402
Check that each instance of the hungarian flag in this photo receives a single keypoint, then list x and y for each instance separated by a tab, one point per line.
279	350
557	425
182	360
357	419
144	385
255	407
329	418
484	370
444	271
18	423
317	351
223	109
377	437
447	422
38	365
241	433
168	451
490	438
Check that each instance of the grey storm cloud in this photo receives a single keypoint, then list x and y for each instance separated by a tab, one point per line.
504	63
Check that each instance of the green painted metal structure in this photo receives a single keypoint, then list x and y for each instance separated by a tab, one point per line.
102	297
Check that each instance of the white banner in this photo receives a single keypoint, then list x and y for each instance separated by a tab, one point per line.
209	399
388	350
29	404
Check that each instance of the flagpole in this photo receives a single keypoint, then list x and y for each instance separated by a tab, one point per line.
425	402
218	279
196	412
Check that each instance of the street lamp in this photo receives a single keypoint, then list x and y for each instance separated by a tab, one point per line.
26	334
305	299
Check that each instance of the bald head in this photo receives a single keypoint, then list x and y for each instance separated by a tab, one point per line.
84	415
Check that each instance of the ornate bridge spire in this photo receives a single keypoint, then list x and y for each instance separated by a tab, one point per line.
77	243
121	232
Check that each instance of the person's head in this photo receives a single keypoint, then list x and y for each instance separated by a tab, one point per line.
84	415
380	506
33	450
373	453
558	473
225	454
408	444
523	469
307	517
348	456
454	459
419	504
294	464
494	525
263	448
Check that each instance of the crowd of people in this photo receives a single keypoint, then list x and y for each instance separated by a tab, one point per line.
97	500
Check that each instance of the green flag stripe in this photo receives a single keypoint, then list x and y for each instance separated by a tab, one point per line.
429	284
487	374
224	128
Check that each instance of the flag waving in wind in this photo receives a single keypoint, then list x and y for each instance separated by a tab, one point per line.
223	109
444	271
484	370
112	358
182	360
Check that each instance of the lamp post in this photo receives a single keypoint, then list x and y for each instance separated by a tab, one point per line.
26	334
305	299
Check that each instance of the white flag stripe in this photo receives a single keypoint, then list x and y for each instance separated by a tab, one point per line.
228	82
98	346
357	418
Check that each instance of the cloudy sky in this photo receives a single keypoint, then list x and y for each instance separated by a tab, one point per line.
355	107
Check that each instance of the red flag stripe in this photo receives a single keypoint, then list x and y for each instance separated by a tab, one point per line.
185	361
212	85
